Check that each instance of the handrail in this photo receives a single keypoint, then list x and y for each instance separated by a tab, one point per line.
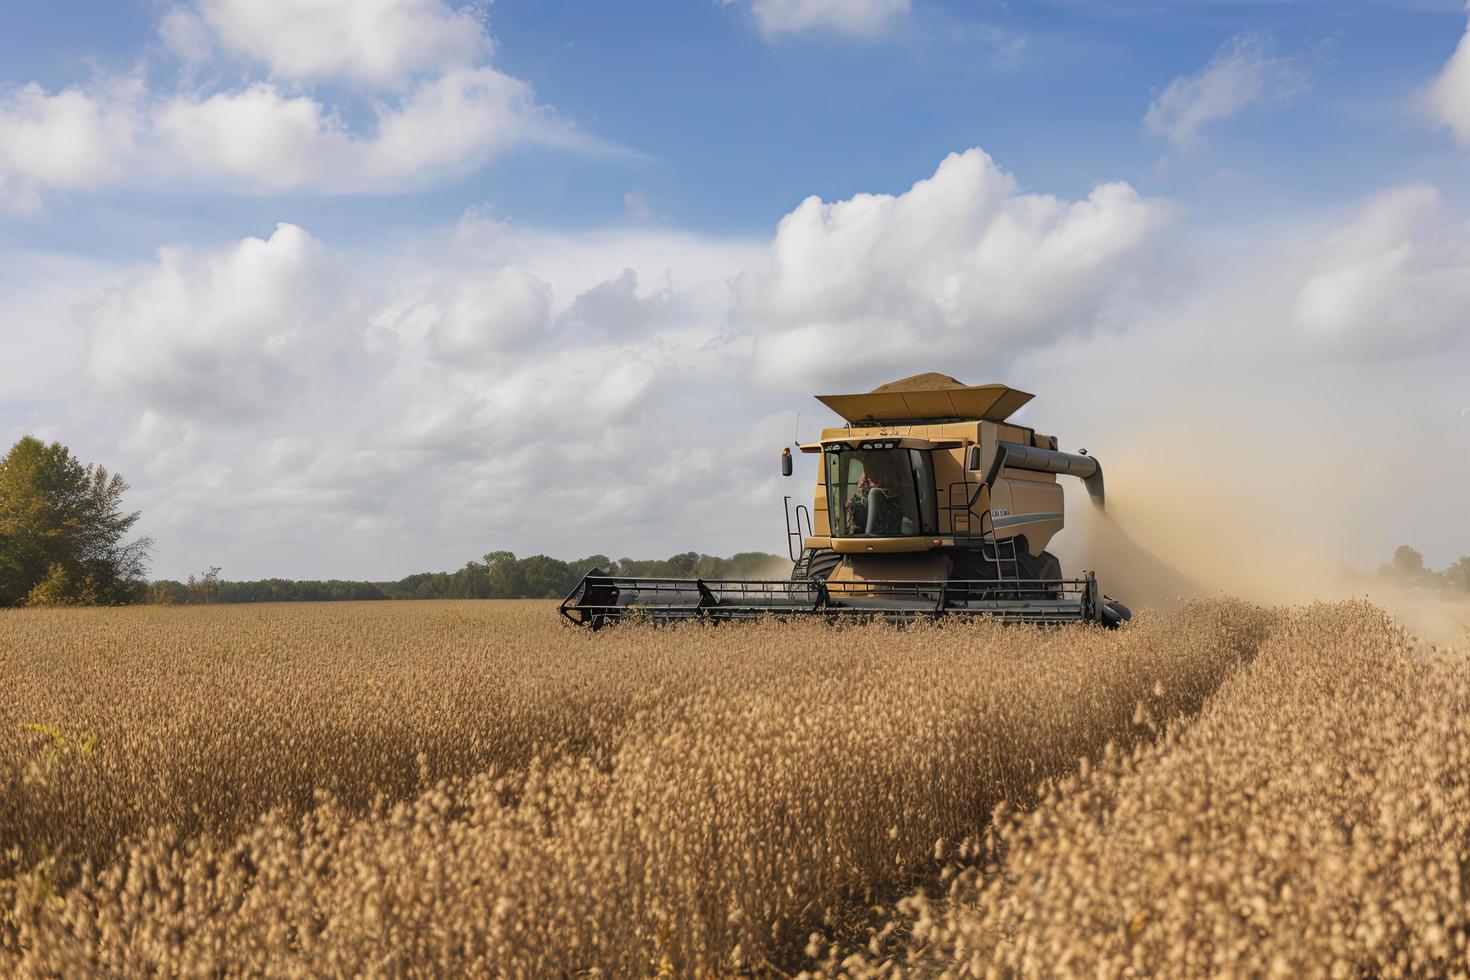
967	508
795	540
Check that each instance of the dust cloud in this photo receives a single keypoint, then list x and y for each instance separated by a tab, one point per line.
1172	532
776	569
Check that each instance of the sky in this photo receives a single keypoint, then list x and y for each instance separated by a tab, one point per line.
359	288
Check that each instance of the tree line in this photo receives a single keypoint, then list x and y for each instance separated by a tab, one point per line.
64	541
500	575
1407	570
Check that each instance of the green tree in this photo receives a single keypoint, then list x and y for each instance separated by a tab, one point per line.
546	577
167	592
585	565
507	577
203	590
62	529
682	566
58	588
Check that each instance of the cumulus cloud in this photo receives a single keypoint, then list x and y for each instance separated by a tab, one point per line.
504	311
438	114
261	139
445	126
1395	281
1243	72
621	381
857	18
961	262
287	407
70	140
421	399
230	334
1332	359
383	43
1449	97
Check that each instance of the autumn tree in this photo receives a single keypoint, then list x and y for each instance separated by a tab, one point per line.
63	530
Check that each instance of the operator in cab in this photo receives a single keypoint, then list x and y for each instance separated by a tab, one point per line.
875	507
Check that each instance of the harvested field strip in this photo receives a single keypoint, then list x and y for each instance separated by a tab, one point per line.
738	786
1314	819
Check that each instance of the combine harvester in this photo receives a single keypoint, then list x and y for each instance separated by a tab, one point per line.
928	503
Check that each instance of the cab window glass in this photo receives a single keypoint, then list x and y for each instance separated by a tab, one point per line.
880	492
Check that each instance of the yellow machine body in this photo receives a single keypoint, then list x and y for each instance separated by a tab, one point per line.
977	496
929	501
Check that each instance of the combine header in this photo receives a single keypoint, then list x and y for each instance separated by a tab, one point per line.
928	503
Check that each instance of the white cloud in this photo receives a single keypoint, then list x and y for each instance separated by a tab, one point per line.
1449	97
40	293
858	18
1395	281
383	43
498	314
460	119
311	394
266	141
1243	72
284	407
261	140
617	307
437	115
186	35
961	262
69	140
229	334
1290	358
257	138
622	380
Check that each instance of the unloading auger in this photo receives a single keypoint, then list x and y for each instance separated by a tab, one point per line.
928	503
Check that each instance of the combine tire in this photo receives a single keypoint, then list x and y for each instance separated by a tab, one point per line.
1044	565
816	565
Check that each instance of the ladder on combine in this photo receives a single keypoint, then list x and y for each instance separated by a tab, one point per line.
964	517
1001	552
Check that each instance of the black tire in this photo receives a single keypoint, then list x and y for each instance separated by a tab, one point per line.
1046	565
820	563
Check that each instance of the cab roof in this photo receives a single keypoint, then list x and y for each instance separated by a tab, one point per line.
928	398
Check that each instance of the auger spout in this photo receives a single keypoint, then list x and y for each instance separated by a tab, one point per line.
1085	468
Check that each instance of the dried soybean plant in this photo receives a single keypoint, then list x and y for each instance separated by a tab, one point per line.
204	718
1313	820
443	788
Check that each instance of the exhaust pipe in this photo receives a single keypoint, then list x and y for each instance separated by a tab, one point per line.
1020	457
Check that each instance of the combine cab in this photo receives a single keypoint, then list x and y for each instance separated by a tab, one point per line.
928	503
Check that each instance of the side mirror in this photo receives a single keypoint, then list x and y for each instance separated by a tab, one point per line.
786	462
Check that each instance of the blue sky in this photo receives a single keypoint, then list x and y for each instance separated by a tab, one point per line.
726	130
312	269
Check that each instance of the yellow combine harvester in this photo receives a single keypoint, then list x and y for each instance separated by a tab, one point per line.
928	503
